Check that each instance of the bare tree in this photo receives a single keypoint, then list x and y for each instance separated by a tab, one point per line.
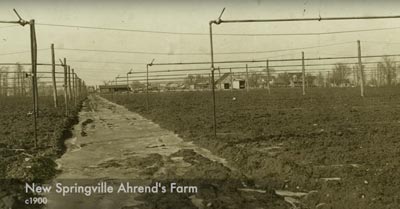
18	79
4	81
320	79
195	79
388	71
255	79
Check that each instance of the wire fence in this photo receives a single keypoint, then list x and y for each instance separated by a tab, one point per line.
378	71
15	80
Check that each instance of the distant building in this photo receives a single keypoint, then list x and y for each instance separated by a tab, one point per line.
224	82
239	84
227	81
114	88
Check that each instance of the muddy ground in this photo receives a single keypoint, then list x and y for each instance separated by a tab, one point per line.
20	160
336	149
113	144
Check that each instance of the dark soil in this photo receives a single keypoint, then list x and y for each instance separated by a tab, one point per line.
341	148
20	161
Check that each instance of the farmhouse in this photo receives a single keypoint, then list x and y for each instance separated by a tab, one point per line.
224	82
239	84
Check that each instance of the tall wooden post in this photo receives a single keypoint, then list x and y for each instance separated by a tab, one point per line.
78	88
303	73
230	72
378	76
361	69
53	72
69	84
66	86
34	77
219	78
84	89
247	78
268	77
147	87
214	109
23	83
209	80
73	86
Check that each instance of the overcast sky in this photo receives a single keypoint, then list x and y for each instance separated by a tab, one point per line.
189	17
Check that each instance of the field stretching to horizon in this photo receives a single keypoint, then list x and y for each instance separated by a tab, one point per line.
339	148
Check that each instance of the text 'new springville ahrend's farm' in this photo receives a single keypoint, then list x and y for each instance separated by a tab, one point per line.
105	188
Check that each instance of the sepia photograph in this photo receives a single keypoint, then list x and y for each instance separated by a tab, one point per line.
199	104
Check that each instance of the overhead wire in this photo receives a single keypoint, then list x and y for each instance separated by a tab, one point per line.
216	34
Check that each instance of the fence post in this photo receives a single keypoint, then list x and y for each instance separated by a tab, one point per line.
77	87
213	94
361	69
209	77
80	88
34	77
147	87
219	79
53	72
69	84
66	87
84	88
230	72
247	78
303	73
73	86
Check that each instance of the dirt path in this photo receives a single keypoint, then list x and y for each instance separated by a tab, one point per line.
113	144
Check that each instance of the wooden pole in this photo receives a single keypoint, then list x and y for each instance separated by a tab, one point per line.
247	78
219	78
69	84
34	77
209	76
230	72
17	82
303	73
74	85
147	87
268	77
23	83
79	88
378	76
53	71
66	87
214	108
84	89
361	69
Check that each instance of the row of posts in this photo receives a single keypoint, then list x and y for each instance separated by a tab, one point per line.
74	87
71	94
268	74
303	72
